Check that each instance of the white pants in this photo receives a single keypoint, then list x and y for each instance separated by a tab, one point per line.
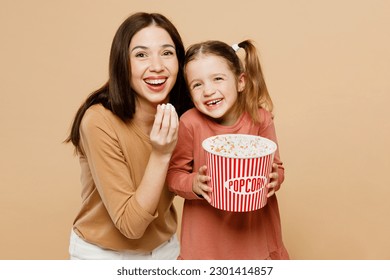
82	250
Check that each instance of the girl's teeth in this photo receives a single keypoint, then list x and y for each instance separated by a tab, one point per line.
213	102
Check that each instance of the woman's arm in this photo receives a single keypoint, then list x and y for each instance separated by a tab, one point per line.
164	138
132	208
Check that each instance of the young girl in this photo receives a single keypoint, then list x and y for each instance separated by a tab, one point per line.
124	134
228	98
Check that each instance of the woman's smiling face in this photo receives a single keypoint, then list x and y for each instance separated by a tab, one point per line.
154	64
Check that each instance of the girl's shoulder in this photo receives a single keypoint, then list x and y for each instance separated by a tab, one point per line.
193	120
265	117
265	114
191	115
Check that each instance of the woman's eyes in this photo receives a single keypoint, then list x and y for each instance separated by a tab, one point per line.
144	54
141	55
168	53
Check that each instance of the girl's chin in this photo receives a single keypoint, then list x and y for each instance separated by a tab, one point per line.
213	115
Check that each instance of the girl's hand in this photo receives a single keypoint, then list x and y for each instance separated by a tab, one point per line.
273	182
199	184
165	129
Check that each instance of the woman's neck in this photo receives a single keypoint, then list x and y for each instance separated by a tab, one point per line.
144	117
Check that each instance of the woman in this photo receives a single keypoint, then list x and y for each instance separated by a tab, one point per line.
124	134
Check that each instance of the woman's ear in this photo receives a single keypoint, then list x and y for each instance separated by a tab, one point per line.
241	82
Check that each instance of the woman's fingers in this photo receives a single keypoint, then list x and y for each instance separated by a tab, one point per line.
166	120
157	120
173	124
165	128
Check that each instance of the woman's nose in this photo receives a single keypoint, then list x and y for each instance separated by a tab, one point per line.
156	64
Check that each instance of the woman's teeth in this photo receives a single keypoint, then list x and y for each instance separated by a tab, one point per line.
155	82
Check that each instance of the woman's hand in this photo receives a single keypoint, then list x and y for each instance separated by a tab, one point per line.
163	137
199	184
165	129
273	182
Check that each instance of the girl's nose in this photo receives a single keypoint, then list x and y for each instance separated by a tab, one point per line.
209	90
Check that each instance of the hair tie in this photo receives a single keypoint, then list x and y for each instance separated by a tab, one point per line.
235	47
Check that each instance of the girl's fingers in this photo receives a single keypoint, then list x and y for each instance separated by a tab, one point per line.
203	169
205	196
270	193
204	191
206	188
273	180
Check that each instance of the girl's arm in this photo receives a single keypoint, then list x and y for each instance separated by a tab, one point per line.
181	175
277	173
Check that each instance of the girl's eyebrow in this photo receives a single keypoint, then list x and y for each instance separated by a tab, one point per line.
145	48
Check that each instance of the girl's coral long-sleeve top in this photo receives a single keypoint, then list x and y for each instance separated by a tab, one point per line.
209	233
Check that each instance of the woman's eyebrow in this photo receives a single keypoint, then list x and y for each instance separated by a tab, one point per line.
168	46
145	48
139	47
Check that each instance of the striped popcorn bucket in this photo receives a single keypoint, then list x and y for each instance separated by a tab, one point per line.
239	166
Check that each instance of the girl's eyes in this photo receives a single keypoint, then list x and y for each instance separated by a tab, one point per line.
196	85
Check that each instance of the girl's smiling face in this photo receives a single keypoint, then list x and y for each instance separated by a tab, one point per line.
214	88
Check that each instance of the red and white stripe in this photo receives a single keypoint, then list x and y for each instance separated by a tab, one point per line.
222	169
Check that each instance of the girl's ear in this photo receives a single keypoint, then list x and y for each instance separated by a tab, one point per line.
241	82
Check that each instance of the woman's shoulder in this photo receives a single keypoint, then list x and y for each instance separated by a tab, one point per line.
97	115
99	111
96	110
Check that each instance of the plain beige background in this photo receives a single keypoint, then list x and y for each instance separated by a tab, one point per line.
326	64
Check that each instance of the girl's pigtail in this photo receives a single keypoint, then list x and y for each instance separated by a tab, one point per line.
256	92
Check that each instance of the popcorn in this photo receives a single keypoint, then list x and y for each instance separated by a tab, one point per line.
239	145
239	167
